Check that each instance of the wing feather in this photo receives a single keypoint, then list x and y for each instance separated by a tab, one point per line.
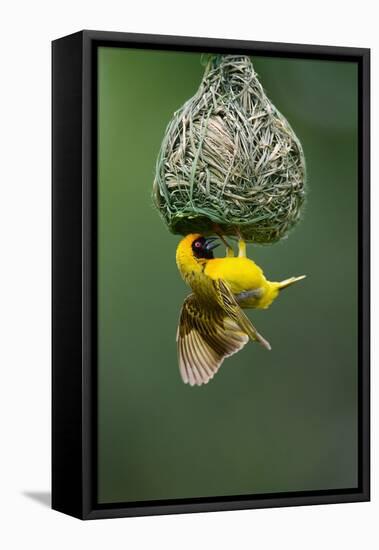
205	337
229	304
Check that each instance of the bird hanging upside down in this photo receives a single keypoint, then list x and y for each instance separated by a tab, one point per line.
212	325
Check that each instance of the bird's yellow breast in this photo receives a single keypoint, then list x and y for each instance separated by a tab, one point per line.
240	273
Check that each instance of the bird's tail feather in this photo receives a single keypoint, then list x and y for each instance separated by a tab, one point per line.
290	281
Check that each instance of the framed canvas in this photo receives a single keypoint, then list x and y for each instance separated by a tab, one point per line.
184	379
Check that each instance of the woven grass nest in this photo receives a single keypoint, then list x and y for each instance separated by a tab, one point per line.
229	161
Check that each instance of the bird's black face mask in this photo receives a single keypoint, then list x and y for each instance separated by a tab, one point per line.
202	247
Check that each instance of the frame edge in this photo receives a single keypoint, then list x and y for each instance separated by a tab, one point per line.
67	474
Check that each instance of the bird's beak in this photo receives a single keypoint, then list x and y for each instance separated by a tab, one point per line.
210	243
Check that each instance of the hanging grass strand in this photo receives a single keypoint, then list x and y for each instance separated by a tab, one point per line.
230	159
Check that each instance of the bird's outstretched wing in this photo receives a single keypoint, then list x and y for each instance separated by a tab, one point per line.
205	337
229	304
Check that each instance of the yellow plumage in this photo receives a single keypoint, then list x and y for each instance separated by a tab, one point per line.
212	324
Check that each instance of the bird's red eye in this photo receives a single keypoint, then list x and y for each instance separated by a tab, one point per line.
198	244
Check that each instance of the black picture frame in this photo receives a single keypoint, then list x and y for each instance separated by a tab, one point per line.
74	313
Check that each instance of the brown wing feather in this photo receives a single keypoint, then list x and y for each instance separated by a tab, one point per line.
229	304
205	337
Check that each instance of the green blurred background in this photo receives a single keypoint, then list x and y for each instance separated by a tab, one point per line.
268	422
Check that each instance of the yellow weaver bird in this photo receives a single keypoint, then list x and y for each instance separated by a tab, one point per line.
212	325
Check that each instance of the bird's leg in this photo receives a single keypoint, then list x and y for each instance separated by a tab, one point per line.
241	249
229	249
241	245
